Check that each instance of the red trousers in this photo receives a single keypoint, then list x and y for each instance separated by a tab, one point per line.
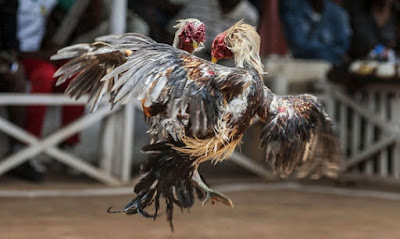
40	73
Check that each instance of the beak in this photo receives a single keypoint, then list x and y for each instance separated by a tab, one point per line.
214	60
195	44
201	45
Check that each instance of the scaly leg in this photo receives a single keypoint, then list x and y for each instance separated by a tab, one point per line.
211	195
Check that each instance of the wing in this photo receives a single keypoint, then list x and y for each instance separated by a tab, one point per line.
168	81
298	135
104	44
90	62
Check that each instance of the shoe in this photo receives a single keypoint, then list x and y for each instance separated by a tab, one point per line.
29	171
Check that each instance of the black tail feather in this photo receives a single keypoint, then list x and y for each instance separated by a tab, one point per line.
170	209
167	173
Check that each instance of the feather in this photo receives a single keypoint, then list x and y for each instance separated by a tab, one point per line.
298	135
127	38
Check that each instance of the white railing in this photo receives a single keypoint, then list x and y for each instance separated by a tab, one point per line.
116	154
368	123
107	171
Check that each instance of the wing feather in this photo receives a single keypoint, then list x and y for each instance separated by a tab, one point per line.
94	65
125	39
298	135
185	86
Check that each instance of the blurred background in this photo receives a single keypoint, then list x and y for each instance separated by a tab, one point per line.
61	167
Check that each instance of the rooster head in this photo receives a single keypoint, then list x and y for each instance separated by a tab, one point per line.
190	35
242	42
219	49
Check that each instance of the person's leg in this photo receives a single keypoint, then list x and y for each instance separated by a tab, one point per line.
14	82
40	74
69	115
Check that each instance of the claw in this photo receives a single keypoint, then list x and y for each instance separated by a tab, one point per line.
109	210
211	196
215	197
136	206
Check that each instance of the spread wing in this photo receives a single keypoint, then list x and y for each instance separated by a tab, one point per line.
104	44
90	62
298	135
168	81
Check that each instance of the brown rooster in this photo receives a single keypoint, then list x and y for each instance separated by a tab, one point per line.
199	111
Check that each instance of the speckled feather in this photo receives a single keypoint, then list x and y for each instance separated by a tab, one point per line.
298	135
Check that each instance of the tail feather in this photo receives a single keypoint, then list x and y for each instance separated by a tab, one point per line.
184	193
167	173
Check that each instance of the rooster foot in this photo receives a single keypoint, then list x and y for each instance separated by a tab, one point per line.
214	197
211	196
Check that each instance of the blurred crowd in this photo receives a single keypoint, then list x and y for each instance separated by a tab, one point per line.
32	30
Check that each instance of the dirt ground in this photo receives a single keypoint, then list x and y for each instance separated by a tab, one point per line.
257	214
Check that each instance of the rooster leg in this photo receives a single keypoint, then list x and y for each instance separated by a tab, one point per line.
213	196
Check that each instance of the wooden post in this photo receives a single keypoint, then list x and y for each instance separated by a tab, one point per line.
343	130
369	131
396	148
128	141
118	17
383	156
356	128
396	160
108	143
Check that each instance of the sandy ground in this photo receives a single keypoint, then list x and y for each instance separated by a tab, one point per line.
257	214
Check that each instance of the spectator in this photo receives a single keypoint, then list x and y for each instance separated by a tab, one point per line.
315	29
273	41
11	74
374	22
12	79
36	52
32	16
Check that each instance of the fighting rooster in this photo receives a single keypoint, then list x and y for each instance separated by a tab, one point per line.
93	61
199	111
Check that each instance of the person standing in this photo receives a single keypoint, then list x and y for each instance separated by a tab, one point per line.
36	52
12	79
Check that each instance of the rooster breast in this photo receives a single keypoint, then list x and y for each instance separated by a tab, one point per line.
236	115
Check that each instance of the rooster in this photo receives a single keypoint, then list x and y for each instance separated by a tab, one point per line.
93	61
198	111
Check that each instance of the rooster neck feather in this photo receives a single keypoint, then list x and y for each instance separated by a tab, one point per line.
243	40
